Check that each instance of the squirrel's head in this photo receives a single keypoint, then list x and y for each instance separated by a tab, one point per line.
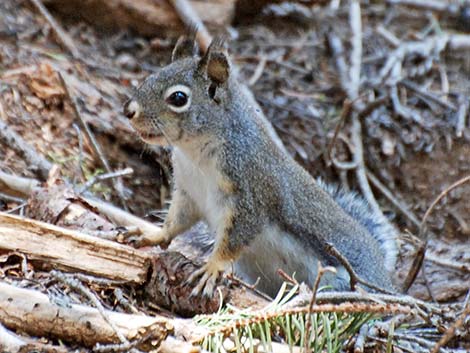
184	99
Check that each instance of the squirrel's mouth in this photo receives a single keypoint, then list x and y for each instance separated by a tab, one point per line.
153	138
149	134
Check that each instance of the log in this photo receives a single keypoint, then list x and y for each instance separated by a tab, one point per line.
163	275
26	187
167	287
32	312
72	250
147	17
12	343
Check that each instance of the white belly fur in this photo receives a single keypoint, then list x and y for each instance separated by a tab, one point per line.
199	181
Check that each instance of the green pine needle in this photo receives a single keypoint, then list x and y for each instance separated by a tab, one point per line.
235	330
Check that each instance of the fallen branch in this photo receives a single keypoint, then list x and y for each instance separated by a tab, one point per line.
164	275
33	159
72	250
34	313
12	343
24	187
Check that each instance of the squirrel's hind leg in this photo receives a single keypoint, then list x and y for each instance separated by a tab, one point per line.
233	235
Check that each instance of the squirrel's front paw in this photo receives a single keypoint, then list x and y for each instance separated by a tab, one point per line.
208	274
158	238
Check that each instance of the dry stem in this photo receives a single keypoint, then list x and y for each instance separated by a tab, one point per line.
36	162
450	332
64	38
421	252
117	183
191	19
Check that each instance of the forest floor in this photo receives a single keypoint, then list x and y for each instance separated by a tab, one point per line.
414	86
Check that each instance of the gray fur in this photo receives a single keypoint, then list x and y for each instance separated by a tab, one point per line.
251	266
265	209
377	225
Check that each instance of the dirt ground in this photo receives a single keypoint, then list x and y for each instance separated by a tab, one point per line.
284	54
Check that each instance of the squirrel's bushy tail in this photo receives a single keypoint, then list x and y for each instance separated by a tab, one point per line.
377	225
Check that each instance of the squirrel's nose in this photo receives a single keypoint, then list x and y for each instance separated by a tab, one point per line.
131	109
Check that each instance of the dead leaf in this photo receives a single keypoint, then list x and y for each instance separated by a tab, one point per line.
45	84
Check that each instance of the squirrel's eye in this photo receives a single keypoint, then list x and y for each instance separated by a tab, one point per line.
177	99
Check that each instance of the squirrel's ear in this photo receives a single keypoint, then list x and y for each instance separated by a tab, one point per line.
185	47
218	67
215	62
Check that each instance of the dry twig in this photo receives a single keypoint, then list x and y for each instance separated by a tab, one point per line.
361	338
462	114
75	284
38	164
398	204
447	263
117	183
347	108
421	252
258	71
26	186
191	19
426	94
354	278
450	332
433	5
64	38
101	177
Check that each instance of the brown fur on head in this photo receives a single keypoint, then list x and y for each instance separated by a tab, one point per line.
185	98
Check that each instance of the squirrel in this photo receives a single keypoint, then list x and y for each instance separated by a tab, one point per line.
230	171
